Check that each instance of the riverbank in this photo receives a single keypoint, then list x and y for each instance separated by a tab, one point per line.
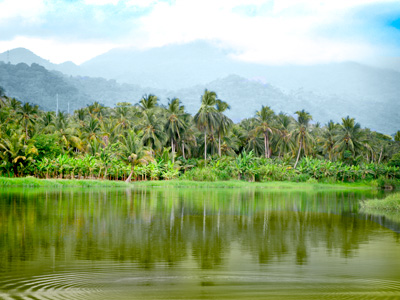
245	184
390	204
36	182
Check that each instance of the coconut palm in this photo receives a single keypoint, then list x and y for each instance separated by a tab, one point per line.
349	137
206	118
301	133
327	139
27	116
397	136
152	129
175	123
265	125
148	102
15	150
224	123
283	139
133	151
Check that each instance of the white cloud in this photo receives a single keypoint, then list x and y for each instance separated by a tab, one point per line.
59	51
101	2
141	3
287	33
28	10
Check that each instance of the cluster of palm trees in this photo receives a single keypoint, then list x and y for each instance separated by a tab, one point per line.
137	134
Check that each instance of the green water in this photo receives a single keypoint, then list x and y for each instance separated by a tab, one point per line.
195	244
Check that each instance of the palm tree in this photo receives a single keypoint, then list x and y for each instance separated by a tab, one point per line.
301	133
148	102
283	140
264	125
175	123
91	130
206	118
14	149
224	123
397	136
327	139
349	137
133	151
28	114
153	134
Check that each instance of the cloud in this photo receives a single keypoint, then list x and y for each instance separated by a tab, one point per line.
30	11
58	50
284	31
268	31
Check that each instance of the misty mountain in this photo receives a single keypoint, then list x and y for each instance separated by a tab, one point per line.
246	97
22	55
37	85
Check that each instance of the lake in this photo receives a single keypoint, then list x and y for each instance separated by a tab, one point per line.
183	243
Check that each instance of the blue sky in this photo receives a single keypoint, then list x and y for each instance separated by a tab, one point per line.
264	31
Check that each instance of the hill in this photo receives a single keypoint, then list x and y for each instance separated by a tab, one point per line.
37	85
22	55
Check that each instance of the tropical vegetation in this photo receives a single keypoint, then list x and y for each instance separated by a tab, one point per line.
150	141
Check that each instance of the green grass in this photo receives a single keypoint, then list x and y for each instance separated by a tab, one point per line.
245	184
390	204
35	182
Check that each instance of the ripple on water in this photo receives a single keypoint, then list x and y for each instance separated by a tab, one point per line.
128	283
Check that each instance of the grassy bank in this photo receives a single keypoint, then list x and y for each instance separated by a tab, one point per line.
245	184
390	204
35	182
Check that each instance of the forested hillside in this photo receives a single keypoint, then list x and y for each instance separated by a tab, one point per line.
37	85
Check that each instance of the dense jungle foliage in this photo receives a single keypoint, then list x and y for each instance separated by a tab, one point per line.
148	141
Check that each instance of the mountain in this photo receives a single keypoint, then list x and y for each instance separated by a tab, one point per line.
37	85
168	67
22	55
246	97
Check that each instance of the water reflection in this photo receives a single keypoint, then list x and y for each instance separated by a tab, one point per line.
150	226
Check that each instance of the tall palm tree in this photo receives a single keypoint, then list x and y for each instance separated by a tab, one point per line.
301	133
327	139
397	136
28	115
224	123
175	123
283	140
206	118
15	150
349	137
133	151
265	125
148	102
153	134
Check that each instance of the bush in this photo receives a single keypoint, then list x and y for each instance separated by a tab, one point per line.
204	174
395	160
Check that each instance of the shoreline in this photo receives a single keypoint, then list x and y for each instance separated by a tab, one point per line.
36	182
245	184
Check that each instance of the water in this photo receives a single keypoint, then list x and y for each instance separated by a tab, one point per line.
195	244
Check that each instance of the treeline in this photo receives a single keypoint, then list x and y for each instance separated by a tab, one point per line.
148	141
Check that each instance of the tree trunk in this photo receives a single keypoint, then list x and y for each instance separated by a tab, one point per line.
183	149
205	148
298	154
105	174
268	152
219	144
265	145
173	150
380	156
130	176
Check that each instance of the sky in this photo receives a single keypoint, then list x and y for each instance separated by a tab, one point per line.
263	31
